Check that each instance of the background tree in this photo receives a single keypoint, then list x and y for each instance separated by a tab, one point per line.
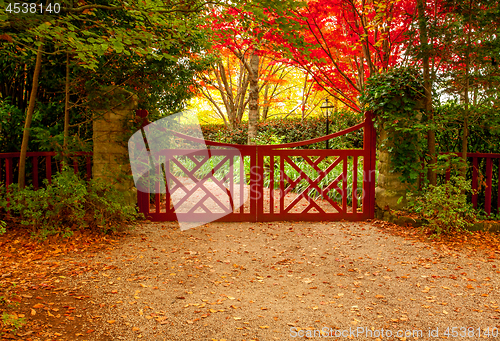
92	32
348	41
245	30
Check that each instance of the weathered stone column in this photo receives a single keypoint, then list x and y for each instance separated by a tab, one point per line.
389	188
114	109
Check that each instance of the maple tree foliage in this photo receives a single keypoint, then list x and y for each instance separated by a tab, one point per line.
244	30
225	87
343	42
283	89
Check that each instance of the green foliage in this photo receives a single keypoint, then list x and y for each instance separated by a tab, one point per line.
12	125
293	130
7	299
142	47
14	321
68	203
3	226
483	137
445	206
268	136
483	128
394	99
47	142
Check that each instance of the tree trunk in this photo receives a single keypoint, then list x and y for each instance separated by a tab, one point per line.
253	104
431	135
66	107
465	131
241	100
29	117
267	103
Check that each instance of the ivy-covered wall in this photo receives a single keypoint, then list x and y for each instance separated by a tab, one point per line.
395	98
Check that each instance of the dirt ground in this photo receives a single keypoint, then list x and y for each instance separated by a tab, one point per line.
255	281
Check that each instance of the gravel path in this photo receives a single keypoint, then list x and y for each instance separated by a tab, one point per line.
281	281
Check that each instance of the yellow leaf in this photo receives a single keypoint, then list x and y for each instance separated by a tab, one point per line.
33	312
237	318
264	327
111	321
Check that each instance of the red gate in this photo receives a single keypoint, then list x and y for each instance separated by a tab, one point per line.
267	183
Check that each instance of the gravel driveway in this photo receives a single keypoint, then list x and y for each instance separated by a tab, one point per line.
284	281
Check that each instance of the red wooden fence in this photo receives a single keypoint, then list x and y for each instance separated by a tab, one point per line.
486	177
9	161
275	206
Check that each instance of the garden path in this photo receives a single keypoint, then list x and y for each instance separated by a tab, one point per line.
250	281
271	281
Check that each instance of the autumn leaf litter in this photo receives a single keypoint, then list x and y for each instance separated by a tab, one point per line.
260	281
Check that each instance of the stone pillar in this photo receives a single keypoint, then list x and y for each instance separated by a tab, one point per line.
389	188
114	110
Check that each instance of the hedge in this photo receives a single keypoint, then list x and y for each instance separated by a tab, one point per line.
292	130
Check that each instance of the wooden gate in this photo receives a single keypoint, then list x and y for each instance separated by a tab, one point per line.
228	182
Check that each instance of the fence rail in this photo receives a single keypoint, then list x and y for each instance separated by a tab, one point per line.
483	180
9	162
484	173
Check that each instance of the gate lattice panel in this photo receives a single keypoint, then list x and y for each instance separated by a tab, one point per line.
267	183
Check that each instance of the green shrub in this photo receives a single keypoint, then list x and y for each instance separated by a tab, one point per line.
68	203
445	206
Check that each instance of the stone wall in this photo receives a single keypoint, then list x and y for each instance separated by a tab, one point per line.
113	109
